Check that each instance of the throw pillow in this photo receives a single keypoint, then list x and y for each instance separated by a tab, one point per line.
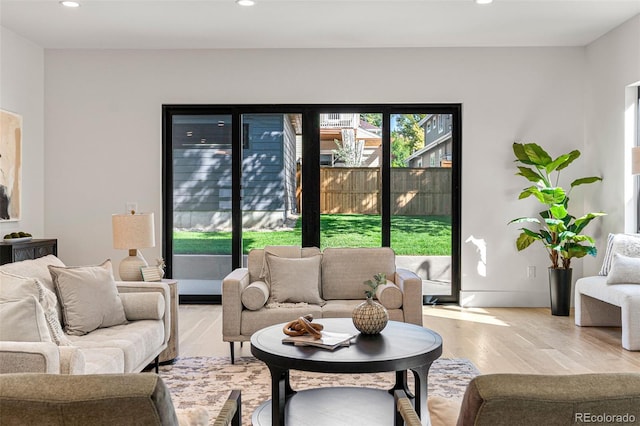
389	295
23	320
34	268
624	270
255	295
295	280
290	252
625	244
17	287
88	296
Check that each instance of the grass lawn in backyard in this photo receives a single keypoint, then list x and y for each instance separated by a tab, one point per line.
410	235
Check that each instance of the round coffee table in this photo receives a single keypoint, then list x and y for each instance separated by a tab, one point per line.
400	347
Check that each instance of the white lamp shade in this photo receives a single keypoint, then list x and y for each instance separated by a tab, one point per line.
635	160
133	231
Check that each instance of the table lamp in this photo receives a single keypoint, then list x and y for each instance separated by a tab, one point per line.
132	232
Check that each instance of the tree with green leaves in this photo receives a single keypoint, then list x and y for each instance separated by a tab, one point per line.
406	138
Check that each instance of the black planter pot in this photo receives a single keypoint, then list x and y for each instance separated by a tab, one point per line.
560	289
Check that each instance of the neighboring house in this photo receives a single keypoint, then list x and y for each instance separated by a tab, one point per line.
438	144
338	127
202	171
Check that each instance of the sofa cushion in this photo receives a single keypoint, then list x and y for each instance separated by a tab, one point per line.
294	280
625	244
253	321
389	295
88	296
17	287
344	270
138	340
102	360
23	320
596	286
343	308
624	270
255	295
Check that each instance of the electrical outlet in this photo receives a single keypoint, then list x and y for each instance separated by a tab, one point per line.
531	272
131	205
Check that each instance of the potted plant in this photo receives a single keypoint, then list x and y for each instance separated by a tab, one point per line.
559	231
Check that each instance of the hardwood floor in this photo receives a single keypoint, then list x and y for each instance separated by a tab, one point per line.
496	340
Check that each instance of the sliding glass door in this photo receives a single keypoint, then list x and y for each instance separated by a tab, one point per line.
202	193
374	175
421	198
350	184
271	187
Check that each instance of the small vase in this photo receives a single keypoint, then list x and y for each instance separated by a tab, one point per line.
370	317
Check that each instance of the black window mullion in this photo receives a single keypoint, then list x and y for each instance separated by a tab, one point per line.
236	189
167	185
385	210
311	178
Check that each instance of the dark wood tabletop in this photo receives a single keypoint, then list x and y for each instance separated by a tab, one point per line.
399	347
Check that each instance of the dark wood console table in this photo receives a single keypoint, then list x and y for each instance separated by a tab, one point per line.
401	347
23	250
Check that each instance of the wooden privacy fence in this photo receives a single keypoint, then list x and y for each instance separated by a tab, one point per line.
414	192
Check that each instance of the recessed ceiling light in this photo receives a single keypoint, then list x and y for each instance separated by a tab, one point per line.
245	2
68	3
484	1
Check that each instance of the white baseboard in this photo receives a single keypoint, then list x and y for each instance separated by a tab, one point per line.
504	299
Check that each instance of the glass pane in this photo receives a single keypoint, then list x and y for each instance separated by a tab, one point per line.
201	202
271	184
421	197
350	162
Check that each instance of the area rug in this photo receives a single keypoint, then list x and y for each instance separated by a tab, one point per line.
206	381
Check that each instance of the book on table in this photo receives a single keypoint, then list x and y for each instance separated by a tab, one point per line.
329	340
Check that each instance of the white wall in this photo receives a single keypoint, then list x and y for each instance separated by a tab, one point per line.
613	64
103	130
103	126
22	92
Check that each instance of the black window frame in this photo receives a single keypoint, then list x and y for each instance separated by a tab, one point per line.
311	175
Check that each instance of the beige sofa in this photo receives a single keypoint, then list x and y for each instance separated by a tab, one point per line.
105	399
125	348
248	293
532	400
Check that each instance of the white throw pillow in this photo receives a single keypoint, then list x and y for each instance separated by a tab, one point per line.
23	320
17	287
295	280
624	270
89	297
624	244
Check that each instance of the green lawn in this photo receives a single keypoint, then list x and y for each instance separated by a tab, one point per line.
412	235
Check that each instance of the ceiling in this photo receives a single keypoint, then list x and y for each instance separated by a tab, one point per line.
200	24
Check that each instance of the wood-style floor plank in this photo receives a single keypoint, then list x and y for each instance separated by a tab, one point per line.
496	340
